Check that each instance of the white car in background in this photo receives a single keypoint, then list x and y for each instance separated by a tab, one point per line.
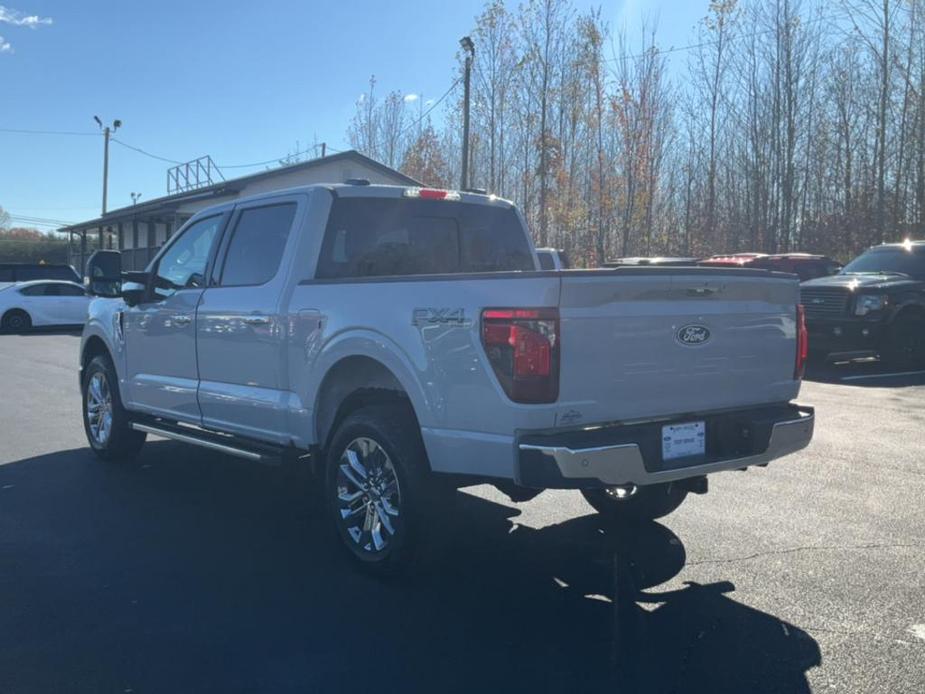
25	305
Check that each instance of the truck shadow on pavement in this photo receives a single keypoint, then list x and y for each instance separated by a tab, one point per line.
71	331
866	373
191	572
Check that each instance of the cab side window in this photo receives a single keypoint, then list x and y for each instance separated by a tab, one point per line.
183	265
257	244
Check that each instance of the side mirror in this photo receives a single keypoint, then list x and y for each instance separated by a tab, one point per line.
135	287
104	274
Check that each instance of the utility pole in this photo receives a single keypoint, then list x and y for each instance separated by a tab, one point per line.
469	48
107	131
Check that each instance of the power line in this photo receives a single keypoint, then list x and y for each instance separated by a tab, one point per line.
313	148
139	150
57	209
25	131
226	166
432	106
147	154
36	218
23	219
49	225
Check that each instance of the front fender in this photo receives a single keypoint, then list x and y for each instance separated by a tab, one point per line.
905	303
104	324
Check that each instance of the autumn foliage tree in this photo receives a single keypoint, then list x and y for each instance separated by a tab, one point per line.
785	125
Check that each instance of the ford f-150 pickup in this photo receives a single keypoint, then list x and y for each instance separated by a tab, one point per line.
875	305
404	341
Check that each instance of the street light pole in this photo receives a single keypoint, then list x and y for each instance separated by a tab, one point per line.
105	165
107	131
469	47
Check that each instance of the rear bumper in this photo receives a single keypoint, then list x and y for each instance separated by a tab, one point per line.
631	454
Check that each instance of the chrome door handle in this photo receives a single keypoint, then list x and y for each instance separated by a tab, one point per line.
256	320
181	319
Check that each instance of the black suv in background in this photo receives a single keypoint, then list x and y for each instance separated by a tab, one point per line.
25	272
874	306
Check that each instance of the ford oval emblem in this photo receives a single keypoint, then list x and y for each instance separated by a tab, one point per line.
693	335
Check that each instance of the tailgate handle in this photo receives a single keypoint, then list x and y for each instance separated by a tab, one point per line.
702	291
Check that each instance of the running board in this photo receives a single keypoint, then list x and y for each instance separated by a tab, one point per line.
216	442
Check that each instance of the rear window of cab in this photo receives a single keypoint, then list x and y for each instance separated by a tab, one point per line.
382	237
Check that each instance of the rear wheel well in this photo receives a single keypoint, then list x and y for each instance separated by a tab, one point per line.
351	384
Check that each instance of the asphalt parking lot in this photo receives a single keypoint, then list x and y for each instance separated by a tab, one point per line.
192	572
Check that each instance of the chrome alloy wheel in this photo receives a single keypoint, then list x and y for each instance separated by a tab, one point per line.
368	495
99	408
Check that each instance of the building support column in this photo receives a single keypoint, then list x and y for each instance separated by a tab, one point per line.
152	241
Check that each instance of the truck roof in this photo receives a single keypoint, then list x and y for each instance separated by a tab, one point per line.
363	189
908	243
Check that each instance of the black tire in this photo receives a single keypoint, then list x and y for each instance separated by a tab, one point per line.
905	341
121	443
647	503
392	427
16	321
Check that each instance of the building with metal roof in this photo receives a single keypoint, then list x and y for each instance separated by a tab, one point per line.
139	230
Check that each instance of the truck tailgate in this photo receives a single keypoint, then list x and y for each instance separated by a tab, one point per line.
662	342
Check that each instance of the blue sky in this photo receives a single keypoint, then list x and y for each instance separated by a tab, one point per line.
241	82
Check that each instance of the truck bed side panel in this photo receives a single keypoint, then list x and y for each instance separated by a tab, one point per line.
433	323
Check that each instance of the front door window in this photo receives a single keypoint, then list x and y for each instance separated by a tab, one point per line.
183	265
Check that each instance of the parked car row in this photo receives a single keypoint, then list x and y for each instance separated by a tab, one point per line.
26	272
42	303
874	306
806	266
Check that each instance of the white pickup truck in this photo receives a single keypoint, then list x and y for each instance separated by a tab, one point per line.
407	340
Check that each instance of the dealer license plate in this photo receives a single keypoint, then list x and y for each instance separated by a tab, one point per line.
683	440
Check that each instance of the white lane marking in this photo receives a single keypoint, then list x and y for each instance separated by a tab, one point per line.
893	375
595	596
918	630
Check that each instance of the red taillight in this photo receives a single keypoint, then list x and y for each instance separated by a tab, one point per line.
431	194
802	343
523	348
428	194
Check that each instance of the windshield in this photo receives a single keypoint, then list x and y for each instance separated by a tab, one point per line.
890	259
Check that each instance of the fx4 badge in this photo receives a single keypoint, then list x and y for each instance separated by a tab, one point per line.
422	317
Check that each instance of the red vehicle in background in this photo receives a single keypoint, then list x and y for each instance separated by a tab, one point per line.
806	266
